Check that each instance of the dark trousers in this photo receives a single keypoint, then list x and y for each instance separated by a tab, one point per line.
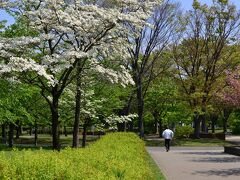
167	144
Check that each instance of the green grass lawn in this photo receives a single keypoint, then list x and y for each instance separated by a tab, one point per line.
44	141
189	142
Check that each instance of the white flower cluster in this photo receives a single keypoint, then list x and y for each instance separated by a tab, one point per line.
113	120
17	64
67	32
122	76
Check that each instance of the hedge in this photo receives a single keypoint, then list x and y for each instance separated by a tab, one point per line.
114	156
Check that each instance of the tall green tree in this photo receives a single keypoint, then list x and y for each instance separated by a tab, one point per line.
203	53
149	43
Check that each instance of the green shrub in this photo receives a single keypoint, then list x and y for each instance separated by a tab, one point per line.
235	127
114	156
183	131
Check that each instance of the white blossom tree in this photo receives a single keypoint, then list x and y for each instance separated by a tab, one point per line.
69	35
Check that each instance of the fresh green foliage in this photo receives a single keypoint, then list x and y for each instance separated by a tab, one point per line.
114	156
183	131
234	122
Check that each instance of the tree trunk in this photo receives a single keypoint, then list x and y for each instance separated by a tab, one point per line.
65	131
4	134
214	118
156	127
213	127
196	126
84	135
140	107
203	116
18	132
160	127
155	116
35	132
131	126
30	131
224	125
10	135
226	114
203	125
55	120
75	142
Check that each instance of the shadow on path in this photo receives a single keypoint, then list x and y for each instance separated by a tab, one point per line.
203	153
218	160
214	157
220	172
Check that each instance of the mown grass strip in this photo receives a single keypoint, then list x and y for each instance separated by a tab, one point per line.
157	174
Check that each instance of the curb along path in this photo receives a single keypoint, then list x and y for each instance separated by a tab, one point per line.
196	163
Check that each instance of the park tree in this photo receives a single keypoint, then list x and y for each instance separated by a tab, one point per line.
14	107
148	45
229	95
67	37
159	98
166	105
203	53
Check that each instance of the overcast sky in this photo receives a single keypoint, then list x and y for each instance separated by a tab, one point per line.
186	4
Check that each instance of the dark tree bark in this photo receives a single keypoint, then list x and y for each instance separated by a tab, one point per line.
77	108
156	126
30	130
203	124
160	128
55	120
10	135
213	118
130	126
65	130
203	116
18	130
226	114
35	132
197	121
140	107
4	134
157	122
84	135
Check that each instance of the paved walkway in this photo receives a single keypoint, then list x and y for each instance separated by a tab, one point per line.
233	139
196	163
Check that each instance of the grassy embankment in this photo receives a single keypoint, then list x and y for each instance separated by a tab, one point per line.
114	156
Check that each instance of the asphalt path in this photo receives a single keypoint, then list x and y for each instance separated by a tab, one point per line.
196	163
